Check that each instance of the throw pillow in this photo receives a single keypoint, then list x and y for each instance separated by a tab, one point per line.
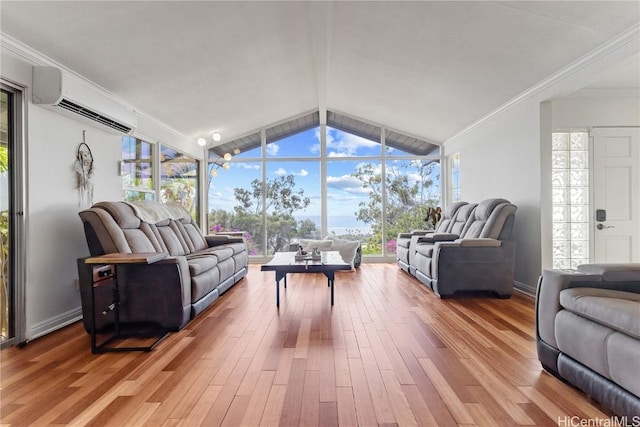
308	244
347	248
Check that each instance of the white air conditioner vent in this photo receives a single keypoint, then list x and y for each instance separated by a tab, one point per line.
63	92
92	115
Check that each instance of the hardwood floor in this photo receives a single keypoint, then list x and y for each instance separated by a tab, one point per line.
388	353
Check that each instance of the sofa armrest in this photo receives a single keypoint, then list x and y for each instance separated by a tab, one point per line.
438	237
412	233
221	239
166	286
478	243
627	272
550	284
481	265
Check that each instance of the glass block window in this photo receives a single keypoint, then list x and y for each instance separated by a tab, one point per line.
570	198
454	178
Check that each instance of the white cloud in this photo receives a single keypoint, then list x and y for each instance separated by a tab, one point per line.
342	144
346	183
283	172
272	149
251	166
345	144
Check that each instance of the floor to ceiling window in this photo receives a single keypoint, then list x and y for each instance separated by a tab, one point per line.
412	186
179	176
235	193
296	181
179	180
354	187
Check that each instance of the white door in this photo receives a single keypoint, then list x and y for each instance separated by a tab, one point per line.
616	196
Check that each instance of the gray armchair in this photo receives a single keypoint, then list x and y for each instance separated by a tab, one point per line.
481	258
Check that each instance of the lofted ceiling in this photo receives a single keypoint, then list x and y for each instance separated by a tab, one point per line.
426	68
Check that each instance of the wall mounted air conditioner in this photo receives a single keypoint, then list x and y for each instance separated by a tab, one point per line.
65	93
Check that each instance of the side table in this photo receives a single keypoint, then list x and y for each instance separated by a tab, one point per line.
104	273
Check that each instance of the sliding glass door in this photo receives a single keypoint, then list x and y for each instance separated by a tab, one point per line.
11	216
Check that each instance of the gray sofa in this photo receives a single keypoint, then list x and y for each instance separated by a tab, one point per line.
168	293
588	331
475	254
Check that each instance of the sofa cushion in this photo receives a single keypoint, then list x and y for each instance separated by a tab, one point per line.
425	249
138	241
191	234
462	217
198	263
404	241
173	240
615	309
236	247
121	213
483	221
583	340
222	253
624	361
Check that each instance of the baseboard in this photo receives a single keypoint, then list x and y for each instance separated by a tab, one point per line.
55	323
524	288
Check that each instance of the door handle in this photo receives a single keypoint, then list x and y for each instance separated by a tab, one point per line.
602	226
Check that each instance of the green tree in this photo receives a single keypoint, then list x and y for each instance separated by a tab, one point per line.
282	200
406	202
281	196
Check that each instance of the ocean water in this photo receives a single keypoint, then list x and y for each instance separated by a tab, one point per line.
339	224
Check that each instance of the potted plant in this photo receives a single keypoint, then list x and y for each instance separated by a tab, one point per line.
434	214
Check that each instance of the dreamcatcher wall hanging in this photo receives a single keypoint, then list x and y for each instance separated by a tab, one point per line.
84	172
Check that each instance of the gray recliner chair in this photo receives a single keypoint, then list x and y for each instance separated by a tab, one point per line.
481	258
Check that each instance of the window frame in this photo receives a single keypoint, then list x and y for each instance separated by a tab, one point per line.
153	191
383	157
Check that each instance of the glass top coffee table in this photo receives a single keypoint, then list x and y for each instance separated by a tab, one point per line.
285	262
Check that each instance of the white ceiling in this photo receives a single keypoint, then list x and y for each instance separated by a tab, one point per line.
426	68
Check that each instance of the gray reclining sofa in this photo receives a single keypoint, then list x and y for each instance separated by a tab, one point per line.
474	253
588	332
168	293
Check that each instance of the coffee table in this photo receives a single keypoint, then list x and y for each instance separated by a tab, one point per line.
285	262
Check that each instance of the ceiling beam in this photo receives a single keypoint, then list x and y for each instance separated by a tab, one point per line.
319	16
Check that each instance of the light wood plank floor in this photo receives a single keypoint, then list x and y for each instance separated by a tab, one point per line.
388	353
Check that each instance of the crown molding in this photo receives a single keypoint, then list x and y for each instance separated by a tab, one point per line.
611	46
34	57
629	92
25	52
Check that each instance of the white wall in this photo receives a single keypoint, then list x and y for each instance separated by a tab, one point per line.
580	112
507	154
55	238
502	159
54	233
